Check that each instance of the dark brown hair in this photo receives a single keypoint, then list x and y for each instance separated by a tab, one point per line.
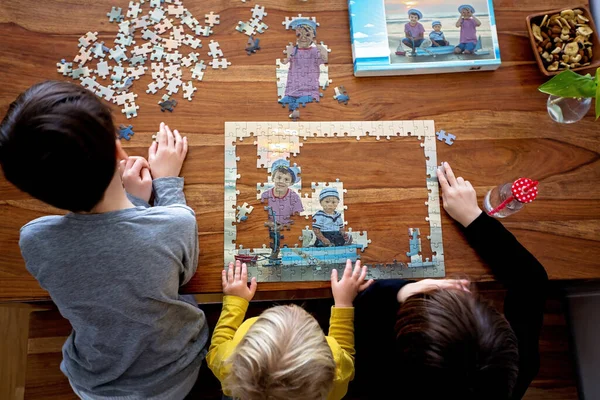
57	143
451	344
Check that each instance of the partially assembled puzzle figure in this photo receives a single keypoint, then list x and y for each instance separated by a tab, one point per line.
305	58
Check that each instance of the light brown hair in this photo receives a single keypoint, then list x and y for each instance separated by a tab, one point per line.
283	356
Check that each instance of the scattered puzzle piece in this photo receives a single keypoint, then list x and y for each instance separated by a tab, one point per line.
341	95
219	63
188	90
448	138
243	211
125	132
212	19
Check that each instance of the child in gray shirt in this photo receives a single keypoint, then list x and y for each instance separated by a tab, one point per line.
113	265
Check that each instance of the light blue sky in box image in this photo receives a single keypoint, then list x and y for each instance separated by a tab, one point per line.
398	9
368	28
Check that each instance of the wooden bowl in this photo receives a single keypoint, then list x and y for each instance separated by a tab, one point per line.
537	19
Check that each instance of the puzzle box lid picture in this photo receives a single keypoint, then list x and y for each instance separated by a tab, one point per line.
399	37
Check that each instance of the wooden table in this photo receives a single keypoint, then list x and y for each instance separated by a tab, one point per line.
499	117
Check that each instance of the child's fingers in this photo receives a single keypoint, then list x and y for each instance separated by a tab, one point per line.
185	146
224	277
170	137
129	164
230	272
253	287
348	269
356	272
136	168
363	274
442	179
162	135
460	181
365	285
152	150
244	276
238	271
449	174
178	141
122	164
334	277
146	176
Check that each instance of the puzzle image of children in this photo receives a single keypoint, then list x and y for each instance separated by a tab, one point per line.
436	36
432	33
413	30
328	224
284	201
468	23
304	58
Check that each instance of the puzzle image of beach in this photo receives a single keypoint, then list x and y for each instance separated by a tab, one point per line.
299	203
441	36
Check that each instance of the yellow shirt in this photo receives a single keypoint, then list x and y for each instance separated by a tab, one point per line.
230	330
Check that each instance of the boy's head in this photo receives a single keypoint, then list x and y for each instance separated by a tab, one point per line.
306	31
436	25
282	174
466	10
329	199
283	356
450	337
414	15
58	143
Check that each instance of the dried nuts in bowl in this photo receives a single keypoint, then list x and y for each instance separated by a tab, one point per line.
563	40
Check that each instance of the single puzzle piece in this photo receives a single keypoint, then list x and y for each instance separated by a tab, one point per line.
98	50
157	70
219	63
150	35
137	60
87	39
142	50
252	45
171	44
105	92
258	12
125	132
177	11
124	39
243	211
130	110
173	86
198	70
188	90
190	59
89	83
121	99
341	95
203	30
115	15
258	25
177	33
173	71
134	10
157	15
191	41
448	138
83	57
173	58
64	68
157	53
215	51
167	105
137	72
414	242
103	69
124	86
118	54
212	19
163	26
153	87
245	28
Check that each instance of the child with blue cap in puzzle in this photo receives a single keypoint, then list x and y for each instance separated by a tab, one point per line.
437	36
285	202
328	224
413	30
468	24
305	58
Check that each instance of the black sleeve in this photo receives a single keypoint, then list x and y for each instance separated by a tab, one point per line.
374	320
526	282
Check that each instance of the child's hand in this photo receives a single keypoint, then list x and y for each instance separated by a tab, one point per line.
326	242
459	197
166	155
352	283
235	283
135	174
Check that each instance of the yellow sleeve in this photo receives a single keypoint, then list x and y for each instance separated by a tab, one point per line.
221	344
341	341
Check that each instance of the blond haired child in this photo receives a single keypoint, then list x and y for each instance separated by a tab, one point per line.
283	354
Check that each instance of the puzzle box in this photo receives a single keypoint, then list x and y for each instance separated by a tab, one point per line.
397	37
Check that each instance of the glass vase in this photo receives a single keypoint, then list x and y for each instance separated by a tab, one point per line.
567	110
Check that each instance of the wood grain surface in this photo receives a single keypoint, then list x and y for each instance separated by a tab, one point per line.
499	118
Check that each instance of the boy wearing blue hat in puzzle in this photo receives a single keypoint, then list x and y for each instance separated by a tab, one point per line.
305	58
437	36
328	224
468	24
413	30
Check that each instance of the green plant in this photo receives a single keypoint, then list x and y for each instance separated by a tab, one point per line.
571	84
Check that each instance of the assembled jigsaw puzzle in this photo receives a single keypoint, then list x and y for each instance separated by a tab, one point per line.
296	227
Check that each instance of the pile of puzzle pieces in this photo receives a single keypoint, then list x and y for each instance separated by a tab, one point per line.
158	37
255	24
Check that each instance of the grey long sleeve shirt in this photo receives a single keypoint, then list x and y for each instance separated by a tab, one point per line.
115	276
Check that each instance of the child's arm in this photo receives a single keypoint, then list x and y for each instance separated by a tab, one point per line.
459	22
320	236
166	157
235	303
137	181
477	22
341	324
